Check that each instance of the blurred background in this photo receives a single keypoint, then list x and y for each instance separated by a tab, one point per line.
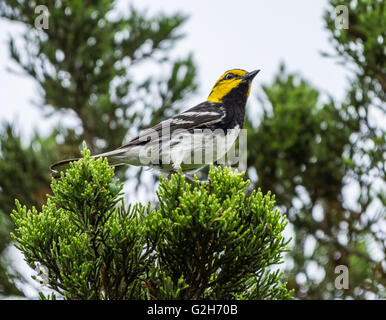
102	70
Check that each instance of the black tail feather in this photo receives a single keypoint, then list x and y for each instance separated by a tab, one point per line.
55	167
61	165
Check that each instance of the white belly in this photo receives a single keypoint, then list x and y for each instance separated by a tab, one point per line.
183	149
204	147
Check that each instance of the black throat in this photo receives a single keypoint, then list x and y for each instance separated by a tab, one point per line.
234	104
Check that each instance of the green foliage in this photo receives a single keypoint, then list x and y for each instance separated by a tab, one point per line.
307	163
309	152
304	150
24	169
7	286
205	241
23	175
227	237
85	65
83	62
363	43
91	247
307	140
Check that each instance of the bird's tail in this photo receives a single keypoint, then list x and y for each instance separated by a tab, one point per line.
60	166
114	158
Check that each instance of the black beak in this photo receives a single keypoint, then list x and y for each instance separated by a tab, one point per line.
250	75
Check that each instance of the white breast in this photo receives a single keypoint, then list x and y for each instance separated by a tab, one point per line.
202	147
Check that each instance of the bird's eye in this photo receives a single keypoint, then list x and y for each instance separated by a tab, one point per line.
229	76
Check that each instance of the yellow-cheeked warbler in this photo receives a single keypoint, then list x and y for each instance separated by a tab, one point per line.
205	132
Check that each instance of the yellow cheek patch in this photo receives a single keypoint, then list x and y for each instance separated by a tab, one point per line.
222	89
224	86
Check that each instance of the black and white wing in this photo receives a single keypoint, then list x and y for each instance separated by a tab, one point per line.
201	116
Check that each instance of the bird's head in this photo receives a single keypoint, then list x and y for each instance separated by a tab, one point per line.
235	81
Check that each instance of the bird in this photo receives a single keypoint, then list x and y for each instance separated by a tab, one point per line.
191	139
